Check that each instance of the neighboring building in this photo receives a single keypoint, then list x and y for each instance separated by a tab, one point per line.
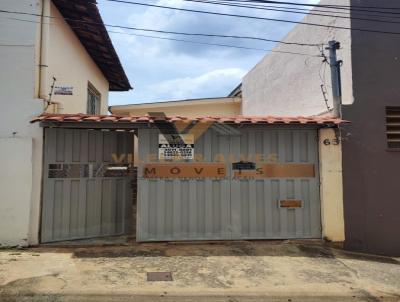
237	92
291	85
54	64
226	106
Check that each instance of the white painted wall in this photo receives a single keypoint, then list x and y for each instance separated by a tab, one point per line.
20	141
286	84
15	192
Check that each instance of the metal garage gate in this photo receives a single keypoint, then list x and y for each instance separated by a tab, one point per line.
233	207
86	193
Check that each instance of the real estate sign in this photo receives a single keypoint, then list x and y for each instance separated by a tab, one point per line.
176	146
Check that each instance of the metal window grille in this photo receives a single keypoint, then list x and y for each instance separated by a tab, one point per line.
393	127
94	100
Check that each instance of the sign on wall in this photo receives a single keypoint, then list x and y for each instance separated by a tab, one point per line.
176	146
63	90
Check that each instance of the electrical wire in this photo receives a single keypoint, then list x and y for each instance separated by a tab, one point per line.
322	76
323	83
328	10
215	13
183	40
253	17
216	44
334	6
169	32
304	10
312	13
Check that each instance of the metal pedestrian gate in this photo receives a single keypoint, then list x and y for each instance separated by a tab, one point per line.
86	187
269	188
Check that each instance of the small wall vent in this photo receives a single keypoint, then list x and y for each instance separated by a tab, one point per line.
393	127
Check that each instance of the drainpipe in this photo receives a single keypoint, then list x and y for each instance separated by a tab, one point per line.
44	43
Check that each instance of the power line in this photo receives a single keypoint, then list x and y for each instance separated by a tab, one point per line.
347	8
170	32
186	41
212	35
312	13
299	8
216	44
307	10
333	6
304	10
254	17
214	13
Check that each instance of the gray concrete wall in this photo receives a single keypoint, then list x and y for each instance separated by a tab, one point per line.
371	171
286	84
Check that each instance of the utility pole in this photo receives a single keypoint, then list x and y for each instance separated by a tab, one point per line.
335	78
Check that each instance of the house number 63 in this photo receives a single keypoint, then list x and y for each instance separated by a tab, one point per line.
334	142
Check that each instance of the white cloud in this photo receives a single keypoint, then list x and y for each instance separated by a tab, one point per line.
208	84
162	69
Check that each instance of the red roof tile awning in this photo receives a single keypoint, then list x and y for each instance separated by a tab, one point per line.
146	119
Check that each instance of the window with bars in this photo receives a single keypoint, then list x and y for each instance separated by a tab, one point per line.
393	127
93	100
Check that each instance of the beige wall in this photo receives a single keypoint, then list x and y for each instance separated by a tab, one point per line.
331	186
189	108
71	65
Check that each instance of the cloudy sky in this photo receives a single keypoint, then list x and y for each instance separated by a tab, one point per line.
162	70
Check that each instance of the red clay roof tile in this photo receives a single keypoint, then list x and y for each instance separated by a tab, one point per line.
239	119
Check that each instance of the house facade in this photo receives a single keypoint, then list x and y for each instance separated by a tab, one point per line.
51	62
260	174
298	85
286	84
235	206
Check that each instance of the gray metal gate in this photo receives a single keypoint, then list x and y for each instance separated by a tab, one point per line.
86	187
255	203
232	208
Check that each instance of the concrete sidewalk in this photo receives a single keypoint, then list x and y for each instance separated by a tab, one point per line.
235	271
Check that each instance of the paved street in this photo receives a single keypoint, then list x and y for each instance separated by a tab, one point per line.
236	271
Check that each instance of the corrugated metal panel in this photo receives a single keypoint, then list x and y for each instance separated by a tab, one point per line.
232	208
84	203
183	209
256	213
